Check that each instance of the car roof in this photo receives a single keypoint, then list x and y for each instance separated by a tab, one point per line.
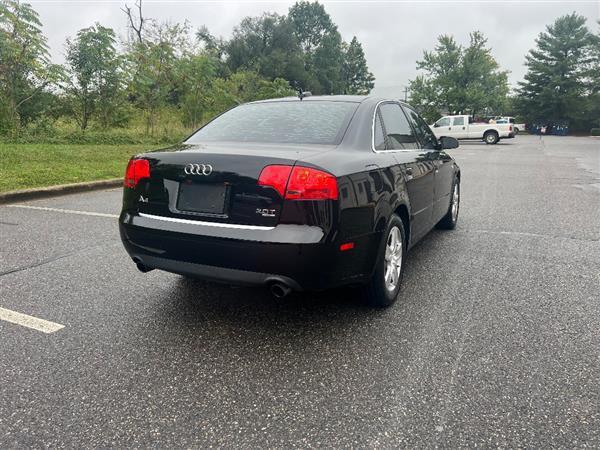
332	98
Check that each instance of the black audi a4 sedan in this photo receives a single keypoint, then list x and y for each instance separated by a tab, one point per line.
294	194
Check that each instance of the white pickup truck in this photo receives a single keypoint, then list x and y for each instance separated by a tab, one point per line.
517	127
463	127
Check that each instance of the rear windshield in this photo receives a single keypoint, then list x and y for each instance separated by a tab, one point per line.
301	122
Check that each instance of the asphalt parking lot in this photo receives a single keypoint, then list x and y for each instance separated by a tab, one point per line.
494	342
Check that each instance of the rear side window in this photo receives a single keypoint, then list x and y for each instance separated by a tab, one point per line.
424	133
378	137
399	135
286	122
459	121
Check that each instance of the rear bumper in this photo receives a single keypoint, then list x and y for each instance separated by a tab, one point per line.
300	256
218	274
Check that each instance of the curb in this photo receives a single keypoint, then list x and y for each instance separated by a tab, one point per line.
55	191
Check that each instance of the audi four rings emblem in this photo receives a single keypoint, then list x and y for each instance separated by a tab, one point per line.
198	169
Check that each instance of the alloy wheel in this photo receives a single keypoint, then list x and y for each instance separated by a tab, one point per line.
393	259
455	203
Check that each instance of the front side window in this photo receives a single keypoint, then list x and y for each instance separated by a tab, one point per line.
285	122
424	133
398	132
443	122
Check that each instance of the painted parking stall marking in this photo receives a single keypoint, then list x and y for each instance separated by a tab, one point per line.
65	211
45	326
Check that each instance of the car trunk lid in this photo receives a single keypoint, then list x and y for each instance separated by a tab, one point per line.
217	182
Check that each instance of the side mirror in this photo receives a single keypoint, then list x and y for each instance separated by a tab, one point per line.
435	125
447	142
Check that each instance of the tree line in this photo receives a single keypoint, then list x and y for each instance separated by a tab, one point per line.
166	75
562	83
164	79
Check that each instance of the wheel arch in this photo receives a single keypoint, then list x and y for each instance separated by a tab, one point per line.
402	212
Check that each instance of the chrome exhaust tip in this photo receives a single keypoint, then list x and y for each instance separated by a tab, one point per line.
280	290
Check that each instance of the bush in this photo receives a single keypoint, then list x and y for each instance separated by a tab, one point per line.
595	131
45	131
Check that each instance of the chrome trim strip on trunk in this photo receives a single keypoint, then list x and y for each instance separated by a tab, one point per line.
207	224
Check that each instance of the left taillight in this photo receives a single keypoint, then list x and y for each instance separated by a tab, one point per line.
137	170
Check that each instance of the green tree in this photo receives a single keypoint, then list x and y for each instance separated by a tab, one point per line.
357	78
244	87
195	75
94	75
303	47
321	46
459	80
311	24
266	45
327	63
25	69
153	67
559	79
594	99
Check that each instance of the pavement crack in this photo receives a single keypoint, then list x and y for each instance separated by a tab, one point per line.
50	260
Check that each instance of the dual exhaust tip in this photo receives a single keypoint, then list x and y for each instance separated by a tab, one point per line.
278	289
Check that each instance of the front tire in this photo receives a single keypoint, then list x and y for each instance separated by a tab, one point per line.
384	286
491	137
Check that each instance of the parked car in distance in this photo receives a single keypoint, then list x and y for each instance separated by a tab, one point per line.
464	127
294	194
517	127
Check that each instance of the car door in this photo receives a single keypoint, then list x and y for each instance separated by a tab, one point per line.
443	127
443	176
400	140
459	128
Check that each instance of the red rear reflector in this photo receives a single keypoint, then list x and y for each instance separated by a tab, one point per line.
299	183
275	177
137	169
346	246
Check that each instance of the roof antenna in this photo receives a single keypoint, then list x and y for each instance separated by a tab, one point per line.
302	94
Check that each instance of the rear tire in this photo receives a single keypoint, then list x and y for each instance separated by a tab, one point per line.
384	286
449	221
491	137
516	131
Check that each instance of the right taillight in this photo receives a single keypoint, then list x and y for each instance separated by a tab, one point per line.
299	183
137	169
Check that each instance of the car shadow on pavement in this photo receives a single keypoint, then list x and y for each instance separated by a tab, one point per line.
202	309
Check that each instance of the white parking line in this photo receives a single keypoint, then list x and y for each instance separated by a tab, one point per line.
24	320
66	211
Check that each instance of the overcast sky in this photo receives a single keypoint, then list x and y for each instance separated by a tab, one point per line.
393	33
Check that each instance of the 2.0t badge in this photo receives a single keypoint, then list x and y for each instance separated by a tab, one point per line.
198	169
